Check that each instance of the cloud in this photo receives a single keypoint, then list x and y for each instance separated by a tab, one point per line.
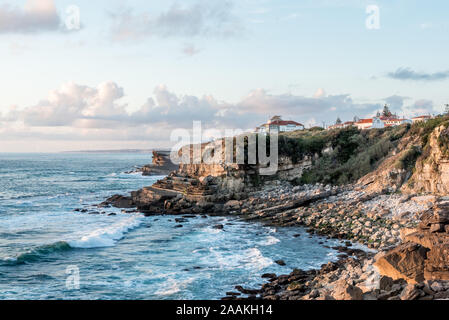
71	103
395	101
211	18
319	93
421	107
409	74
35	16
77	112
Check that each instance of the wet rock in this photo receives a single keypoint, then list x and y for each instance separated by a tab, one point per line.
119	201
234	294
280	262
247	291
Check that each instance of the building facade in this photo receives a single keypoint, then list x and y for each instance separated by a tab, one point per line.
276	125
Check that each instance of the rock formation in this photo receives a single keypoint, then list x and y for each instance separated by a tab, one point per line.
160	166
432	169
424	255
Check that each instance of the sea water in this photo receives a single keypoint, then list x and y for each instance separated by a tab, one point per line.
50	251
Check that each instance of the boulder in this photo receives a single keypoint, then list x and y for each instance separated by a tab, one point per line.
119	201
232	205
437	263
385	283
427	239
410	292
437	227
345	291
406	261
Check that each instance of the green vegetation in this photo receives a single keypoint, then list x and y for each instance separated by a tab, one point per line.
443	141
341	156
408	158
424	129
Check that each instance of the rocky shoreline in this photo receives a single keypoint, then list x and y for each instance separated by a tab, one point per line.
378	221
400	213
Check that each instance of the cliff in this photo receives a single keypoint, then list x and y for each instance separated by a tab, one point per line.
410	159
160	166
431	174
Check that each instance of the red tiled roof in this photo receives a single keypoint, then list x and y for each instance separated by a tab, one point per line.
284	123
422	117
365	121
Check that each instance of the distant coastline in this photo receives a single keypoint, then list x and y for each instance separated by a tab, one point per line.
118	151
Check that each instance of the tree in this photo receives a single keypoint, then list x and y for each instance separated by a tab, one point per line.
338	121
356	119
446	110
386	112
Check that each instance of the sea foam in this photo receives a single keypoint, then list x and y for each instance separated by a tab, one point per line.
108	236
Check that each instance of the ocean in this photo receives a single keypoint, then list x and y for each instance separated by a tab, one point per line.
49	251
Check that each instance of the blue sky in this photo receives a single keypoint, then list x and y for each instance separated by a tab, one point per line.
138	69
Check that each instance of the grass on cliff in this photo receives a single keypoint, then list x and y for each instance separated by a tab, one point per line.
425	129
340	156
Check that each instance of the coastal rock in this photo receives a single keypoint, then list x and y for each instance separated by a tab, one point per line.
406	261
410	292
119	201
232	205
344	291
280	262
437	263
160	166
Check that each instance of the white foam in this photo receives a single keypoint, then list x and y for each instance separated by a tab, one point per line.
256	260
246	259
172	286
269	241
108	236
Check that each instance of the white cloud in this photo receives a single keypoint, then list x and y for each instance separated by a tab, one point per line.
35	16
72	102
82	113
319	93
203	19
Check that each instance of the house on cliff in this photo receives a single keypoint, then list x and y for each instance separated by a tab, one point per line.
276	125
421	119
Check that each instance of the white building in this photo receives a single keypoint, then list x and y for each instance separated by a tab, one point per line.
421	118
276	125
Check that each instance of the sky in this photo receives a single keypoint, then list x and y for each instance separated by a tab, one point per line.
124	74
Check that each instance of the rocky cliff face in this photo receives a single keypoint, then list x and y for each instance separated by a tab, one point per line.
392	173
200	185
161	164
431	173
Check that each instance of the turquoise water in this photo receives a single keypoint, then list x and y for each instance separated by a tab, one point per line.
125	256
